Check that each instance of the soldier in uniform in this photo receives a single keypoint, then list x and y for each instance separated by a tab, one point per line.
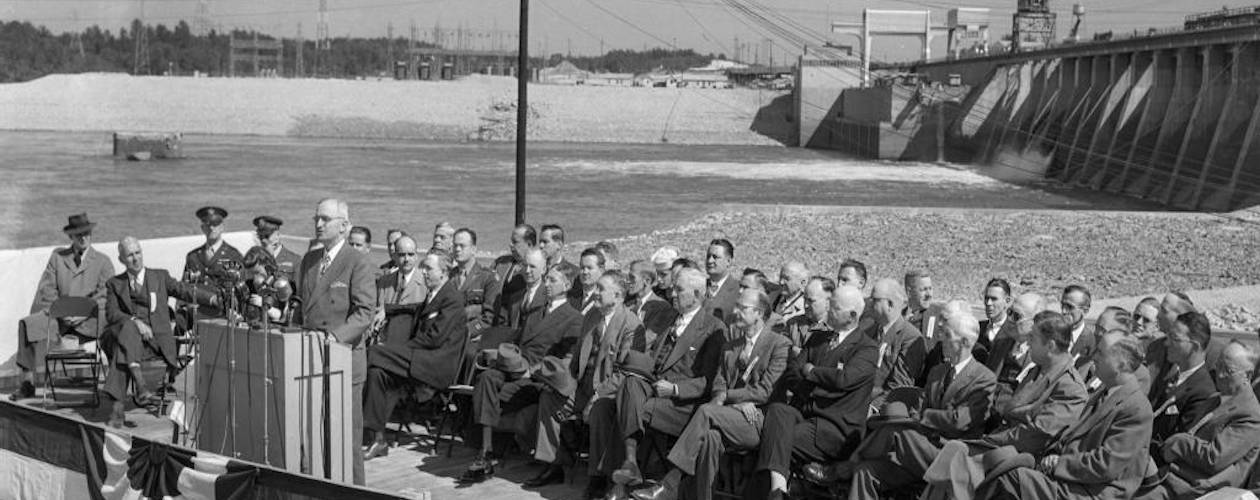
286	261
476	282
209	263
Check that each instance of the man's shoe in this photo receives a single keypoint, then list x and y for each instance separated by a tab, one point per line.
825	475
552	474
596	488
378	449
628	474
480	470
25	391
778	495
658	492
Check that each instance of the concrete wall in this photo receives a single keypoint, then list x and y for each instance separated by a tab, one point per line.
820	83
1170	118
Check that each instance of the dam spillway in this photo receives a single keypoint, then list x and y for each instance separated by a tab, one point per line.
1170	117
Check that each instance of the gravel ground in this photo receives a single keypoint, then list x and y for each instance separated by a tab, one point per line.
1114	254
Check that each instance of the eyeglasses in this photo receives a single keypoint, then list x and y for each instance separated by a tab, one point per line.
325	219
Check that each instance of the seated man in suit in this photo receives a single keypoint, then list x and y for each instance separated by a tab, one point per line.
1074	305
1164	372
723	289
901	346
507	271
684	361
790	301
551	241
475	282
918	297
1049	398
801	329
1008	358
75	271
655	312
391	237
997	303
663	258
1115	318
140	323
500	391
1192	394
425	363
751	365
1146	320
591	265
896	453
443	236
1103	454
831	383
1221	448
403	285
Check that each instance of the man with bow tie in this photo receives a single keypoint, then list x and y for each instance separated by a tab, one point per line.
74	271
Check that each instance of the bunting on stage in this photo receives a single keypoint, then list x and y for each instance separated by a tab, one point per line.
121	467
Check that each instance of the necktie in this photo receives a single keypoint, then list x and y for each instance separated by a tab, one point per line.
78	259
949	379
324	263
459	279
399	288
666	347
209	253
135	283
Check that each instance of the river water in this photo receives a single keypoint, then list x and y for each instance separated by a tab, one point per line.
595	190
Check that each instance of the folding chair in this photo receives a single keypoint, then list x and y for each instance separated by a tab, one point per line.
448	408
77	358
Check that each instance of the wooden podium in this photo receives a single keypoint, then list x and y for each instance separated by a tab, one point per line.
231	408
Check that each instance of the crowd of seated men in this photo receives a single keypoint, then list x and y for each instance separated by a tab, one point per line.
657	369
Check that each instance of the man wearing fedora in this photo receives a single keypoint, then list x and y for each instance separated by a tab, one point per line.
74	271
751	365
426	362
1103	454
267	228
505	389
899	448
684	360
209	262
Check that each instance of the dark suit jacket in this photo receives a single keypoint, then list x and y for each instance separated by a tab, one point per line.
657	315
722	303
511	289
745	384
546	329
62	277
481	294
440	334
1162	372
997	348
343	299
903	352
838	389
1047	402
1184	405
1104	453
693	362
958	411
623	334
159	286
1223	447
513	312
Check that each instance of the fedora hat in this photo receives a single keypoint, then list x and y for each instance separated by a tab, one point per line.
553	373
894	412
510	360
1004	459
78	224
638	364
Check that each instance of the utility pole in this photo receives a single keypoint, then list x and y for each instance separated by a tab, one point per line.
389	48
522	106
142	45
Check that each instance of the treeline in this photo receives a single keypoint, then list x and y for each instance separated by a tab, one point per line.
28	52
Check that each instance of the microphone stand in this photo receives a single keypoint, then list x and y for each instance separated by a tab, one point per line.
266	330
327	405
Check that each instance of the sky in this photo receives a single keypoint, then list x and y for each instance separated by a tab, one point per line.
583	27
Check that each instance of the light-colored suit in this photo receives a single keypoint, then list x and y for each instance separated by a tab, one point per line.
1219	451
1101	456
62	277
389	293
1044	404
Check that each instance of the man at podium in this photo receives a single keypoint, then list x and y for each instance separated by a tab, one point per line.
338	294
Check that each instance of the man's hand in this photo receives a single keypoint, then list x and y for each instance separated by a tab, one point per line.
73	321
809	367
378	321
214	301
146	332
1047	464
719	398
255	300
665	388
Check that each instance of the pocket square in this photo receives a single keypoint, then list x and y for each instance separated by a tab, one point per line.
339	284
432	315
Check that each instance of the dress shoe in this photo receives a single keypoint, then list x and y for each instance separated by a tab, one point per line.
378	449
628	474
659	492
25	391
596	488
552	474
826	475
778	495
481	469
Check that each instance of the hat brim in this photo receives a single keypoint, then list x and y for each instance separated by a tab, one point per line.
77	230
880	421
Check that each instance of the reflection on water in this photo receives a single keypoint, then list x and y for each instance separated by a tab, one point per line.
595	190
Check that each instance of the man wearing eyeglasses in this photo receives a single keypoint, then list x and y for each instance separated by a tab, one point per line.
75	271
1009	358
339	297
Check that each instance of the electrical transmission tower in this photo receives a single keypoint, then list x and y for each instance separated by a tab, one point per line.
76	40
141	62
322	43
201	22
389	48
299	66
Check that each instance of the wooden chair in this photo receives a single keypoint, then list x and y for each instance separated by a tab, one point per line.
76	358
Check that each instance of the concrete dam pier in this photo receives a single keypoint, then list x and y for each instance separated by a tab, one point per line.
1171	117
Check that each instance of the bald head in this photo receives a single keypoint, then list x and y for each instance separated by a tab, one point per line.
129	254
1233	371
1025	307
888	298
1174	304
847	306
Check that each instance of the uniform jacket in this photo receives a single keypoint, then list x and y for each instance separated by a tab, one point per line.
1047	402
342	300
62	277
838	388
288	262
1184	405
440	334
158	288
413	291
196	262
901	351
481	294
754	384
959	410
1222	445
1105	452
694	359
